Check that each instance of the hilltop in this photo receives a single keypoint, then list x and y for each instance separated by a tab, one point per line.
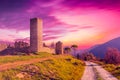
100	50
47	67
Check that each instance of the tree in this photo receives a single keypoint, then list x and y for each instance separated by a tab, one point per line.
87	56
78	56
67	50
112	56
74	48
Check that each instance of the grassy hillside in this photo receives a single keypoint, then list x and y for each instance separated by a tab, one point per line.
62	68
6	59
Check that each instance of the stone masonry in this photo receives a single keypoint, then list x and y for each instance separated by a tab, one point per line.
58	48
36	43
36	35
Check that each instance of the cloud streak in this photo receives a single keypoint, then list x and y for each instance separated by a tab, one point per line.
66	20
102	4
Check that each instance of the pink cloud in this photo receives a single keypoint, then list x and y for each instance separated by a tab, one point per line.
69	21
50	38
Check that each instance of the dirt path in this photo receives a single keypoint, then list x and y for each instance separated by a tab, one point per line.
105	75
10	65
89	72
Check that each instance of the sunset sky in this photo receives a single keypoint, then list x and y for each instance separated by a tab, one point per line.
82	22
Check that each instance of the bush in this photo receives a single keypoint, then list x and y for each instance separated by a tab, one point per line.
112	56
87	56
110	67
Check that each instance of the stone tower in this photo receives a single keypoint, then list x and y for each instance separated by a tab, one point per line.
36	35
58	48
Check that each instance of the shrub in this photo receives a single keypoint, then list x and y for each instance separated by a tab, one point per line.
110	67
112	56
87	56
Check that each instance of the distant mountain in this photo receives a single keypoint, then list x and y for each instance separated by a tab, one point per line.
81	51
93	47
100	50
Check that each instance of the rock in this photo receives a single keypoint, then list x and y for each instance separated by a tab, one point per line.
32	68
21	74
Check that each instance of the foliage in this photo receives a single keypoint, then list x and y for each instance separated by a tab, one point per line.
109	67
116	72
112	56
114	69
63	68
74	49
111	62
74	46
67	50
87	56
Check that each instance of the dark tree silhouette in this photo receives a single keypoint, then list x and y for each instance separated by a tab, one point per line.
67	50
87	56
74	48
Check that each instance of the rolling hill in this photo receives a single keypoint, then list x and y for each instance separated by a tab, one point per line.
100	50
51	67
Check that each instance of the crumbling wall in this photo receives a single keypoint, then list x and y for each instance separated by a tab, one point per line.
49	50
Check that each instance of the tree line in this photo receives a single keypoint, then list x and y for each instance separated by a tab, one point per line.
112	55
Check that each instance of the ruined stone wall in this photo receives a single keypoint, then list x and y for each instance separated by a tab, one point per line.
36	43
49	50
59	48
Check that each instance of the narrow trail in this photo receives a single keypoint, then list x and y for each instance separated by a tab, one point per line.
90	74
105	75
10	65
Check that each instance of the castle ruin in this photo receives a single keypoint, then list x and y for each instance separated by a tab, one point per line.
58	48
36	35
36	43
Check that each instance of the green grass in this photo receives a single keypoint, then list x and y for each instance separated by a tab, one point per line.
63	68
109	67
6	59
114	69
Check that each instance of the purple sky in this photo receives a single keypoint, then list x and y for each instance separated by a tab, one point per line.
82	22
